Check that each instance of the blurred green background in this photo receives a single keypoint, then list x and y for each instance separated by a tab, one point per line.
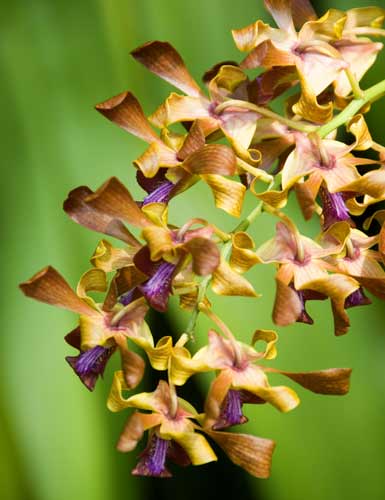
58	58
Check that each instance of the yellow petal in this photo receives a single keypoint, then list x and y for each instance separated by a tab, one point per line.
196	447
228	194
243	255
109	258
94	280
271	338
225	281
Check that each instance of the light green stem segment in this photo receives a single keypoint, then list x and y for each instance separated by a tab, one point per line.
353	108
242	226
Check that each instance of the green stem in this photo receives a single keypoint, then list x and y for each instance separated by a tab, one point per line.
202	289
301	126
356	89
352	109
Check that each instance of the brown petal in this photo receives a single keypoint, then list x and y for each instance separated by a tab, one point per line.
50	287
334	381
212	159
194	141
85	215
163	60
249	452
205	255
302	11
281	13
126	112
287	306
113	199
132	364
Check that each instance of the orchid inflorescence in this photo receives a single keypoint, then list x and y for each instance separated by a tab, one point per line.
321	61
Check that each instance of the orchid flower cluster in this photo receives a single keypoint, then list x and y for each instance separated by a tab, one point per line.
231	139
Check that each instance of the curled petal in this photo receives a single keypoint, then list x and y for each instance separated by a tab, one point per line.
76	207
178	108
160	241
50	287
225	281
109	258
271	338
158	355
125	111
228	194
94	280
243	255
164	61
247	38
113	199
211	159
309	108
249	452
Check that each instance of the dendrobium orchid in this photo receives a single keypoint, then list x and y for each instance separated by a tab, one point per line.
262	154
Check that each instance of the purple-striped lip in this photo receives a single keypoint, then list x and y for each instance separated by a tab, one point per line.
231	411
89	365
160	195
153	460
357	298
158	288
334	208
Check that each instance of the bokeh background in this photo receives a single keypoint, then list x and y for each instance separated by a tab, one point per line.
58	58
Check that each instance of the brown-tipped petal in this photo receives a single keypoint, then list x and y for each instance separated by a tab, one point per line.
227	282
287	306
156	155
243	255
125	111
267	55
113	199
306	193
249	452
178	108
211	159
228	194
133	365
205	255
163	60
134	429
194	141
95	220
302	11
281	13
334	381
247	38
50	287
